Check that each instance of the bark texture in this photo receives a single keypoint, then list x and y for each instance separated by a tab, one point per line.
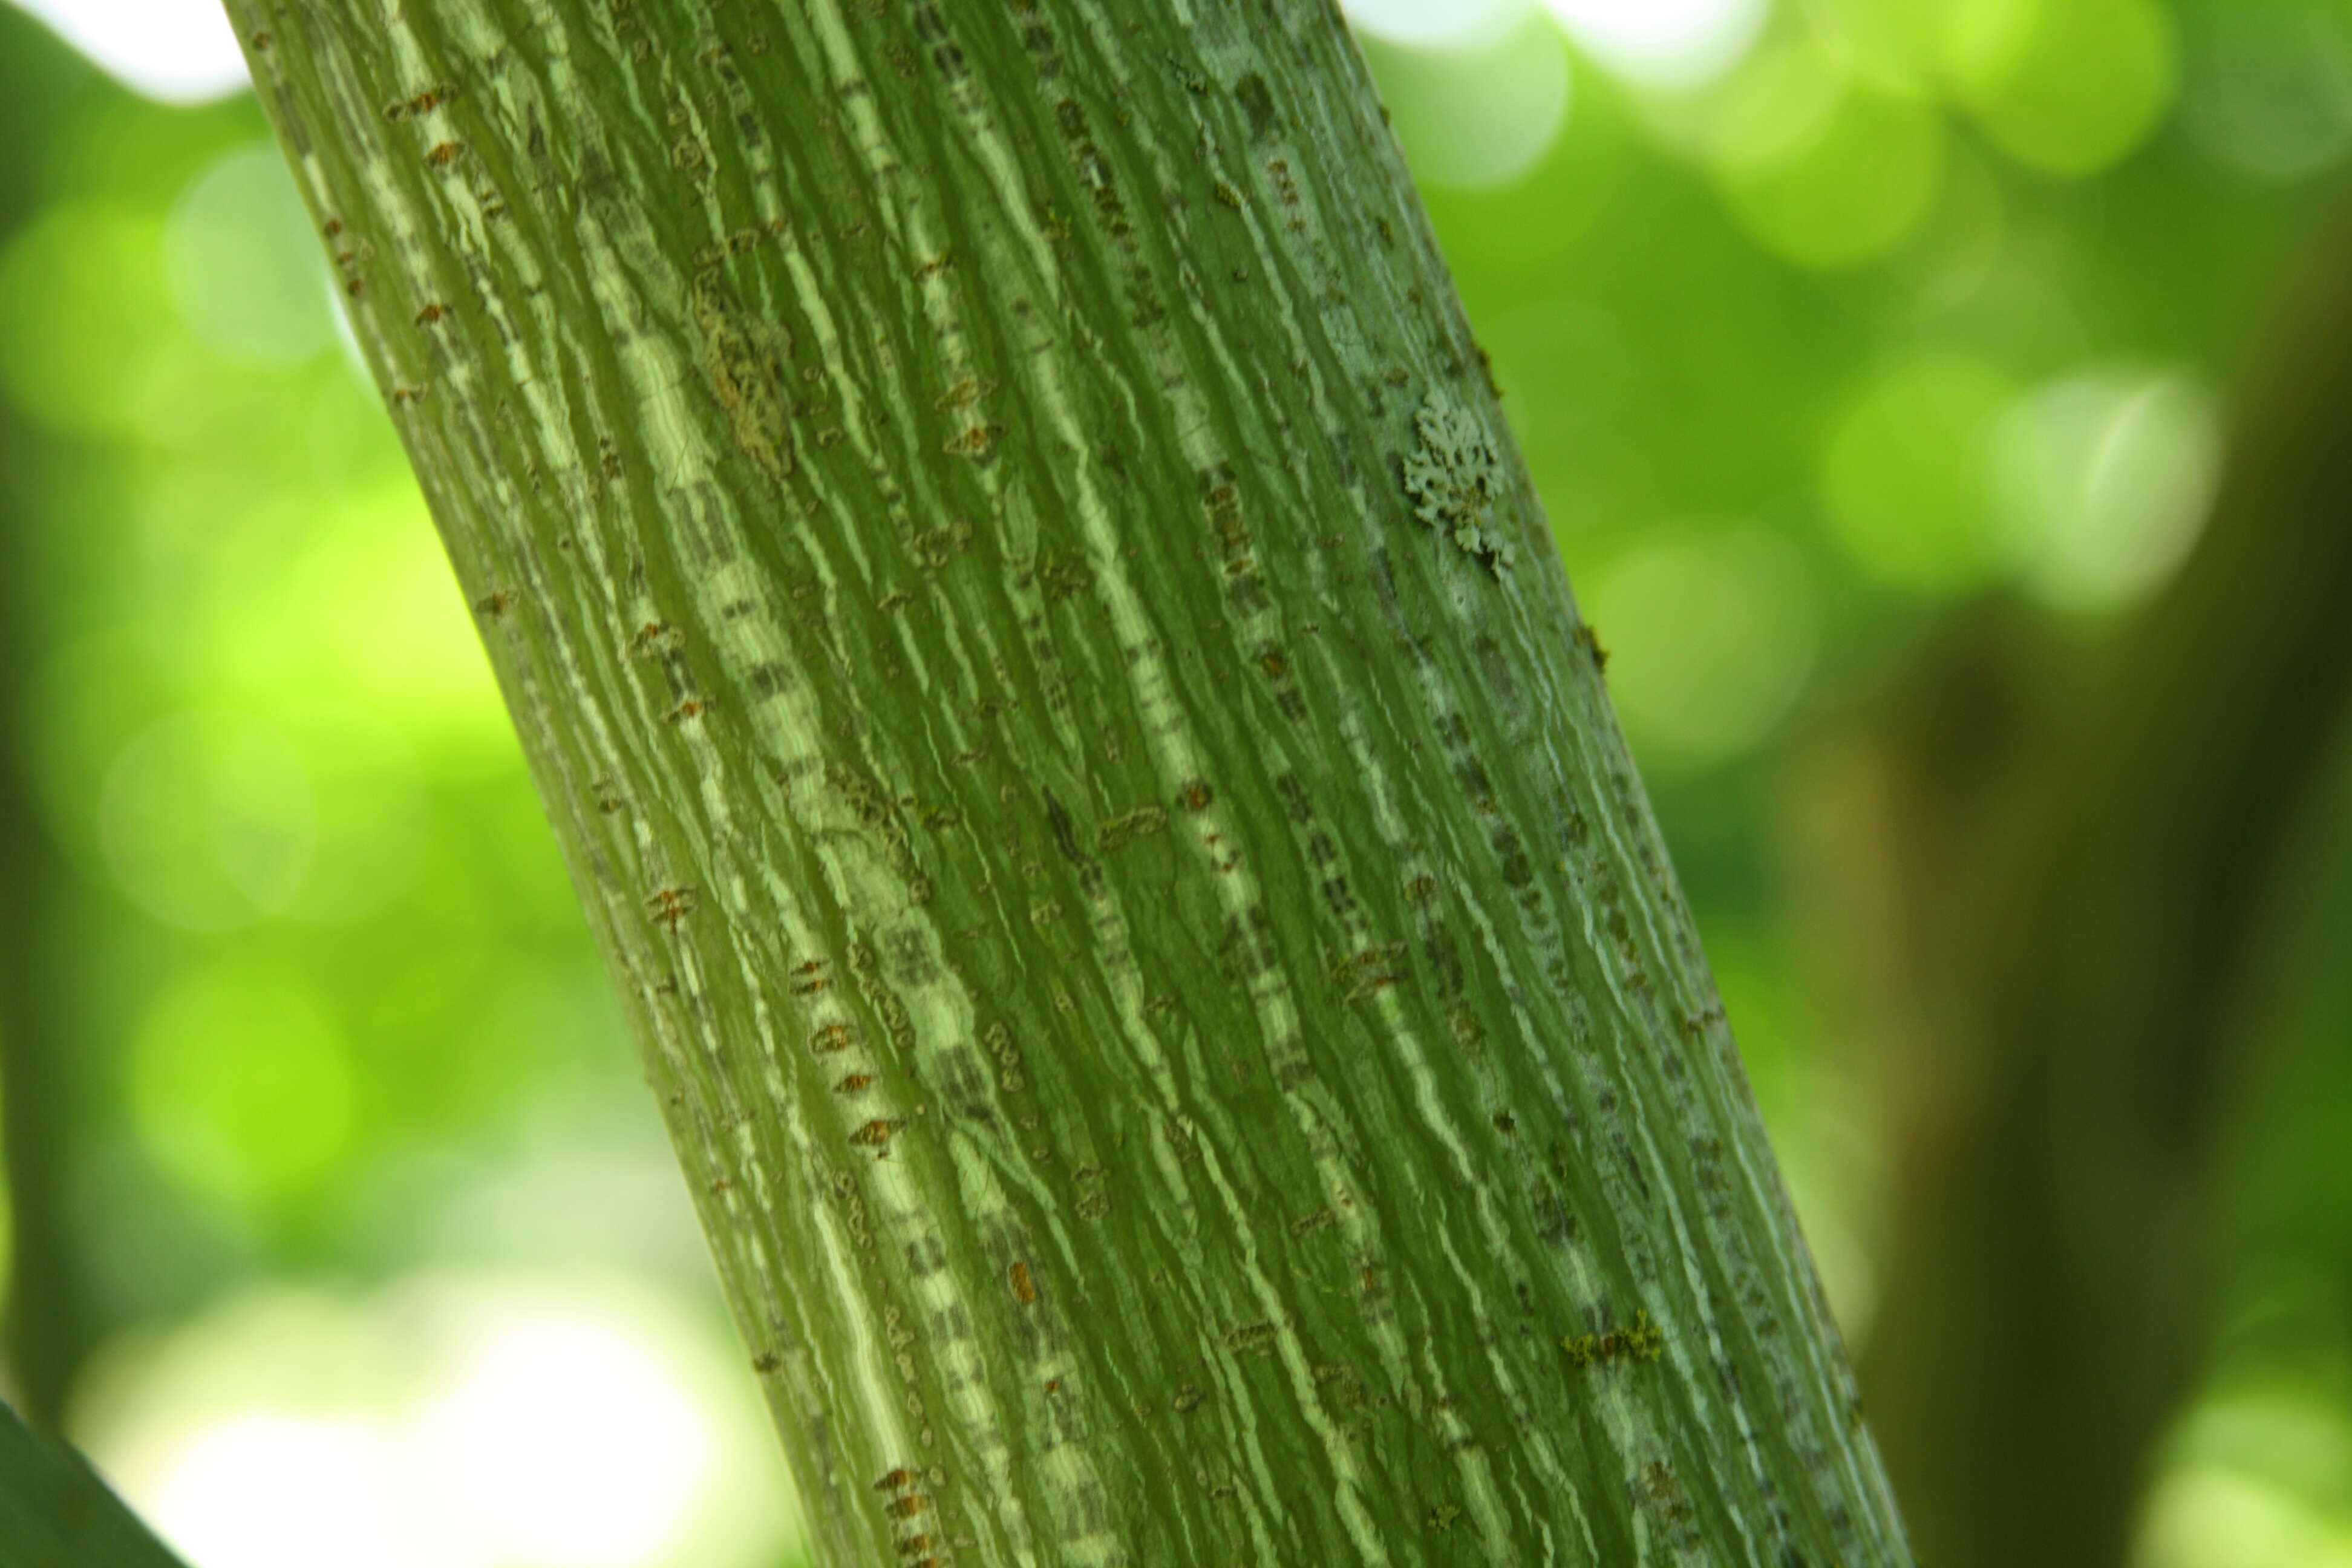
1069	723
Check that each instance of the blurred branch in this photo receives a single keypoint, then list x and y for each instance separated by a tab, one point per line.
55	1511
47	1330
2075	888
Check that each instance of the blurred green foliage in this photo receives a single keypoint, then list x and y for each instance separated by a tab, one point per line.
1919	303
325	967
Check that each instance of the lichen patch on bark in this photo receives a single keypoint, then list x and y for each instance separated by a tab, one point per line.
744	357
1456	478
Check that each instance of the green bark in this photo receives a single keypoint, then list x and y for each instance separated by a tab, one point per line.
1068	721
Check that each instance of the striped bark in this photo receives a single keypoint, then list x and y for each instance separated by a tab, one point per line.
1068	724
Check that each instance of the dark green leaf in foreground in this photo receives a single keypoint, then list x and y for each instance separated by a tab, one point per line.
55	1513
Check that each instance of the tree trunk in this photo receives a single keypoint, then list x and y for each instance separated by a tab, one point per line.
1066	719
2074	897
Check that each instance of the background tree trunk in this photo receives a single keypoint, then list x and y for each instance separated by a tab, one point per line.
2070	876
1066	719
53	1320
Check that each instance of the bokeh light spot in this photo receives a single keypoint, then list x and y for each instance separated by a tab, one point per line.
268	1490
1907	477
2106	480
1711	637
510	1420
177	51
1476	116
1774	111
243	267
1892	45
567	1444
2221	1518
2069	87
1666	42
208	820
1852	192
1436	24
242	1086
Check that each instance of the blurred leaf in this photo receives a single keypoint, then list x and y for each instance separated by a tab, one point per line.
55	1513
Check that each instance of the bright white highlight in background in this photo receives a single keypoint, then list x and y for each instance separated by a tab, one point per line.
181	51
1472	116
1659	43
566	1443
1665	43
1436	24
501	1421
273	1492
2106	480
